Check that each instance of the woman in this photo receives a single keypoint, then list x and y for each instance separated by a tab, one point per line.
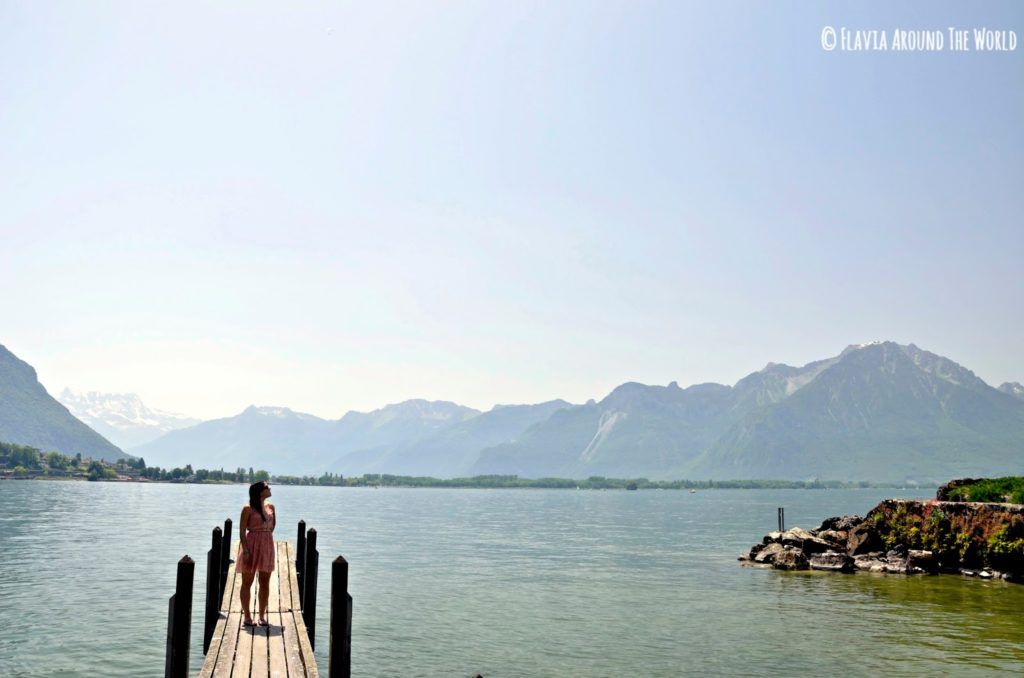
256	550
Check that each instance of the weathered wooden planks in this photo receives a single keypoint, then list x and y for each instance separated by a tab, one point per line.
260	653
289	588
226	631
224	661
243	652
281	649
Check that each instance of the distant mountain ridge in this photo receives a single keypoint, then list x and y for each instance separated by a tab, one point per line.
878	411
452	449
882	412
1013	388
31	416
122	418
293	442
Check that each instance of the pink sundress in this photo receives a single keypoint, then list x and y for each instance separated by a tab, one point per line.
260	538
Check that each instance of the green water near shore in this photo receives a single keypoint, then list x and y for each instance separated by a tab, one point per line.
501	582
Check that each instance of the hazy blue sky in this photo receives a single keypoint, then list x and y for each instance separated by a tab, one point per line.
337	206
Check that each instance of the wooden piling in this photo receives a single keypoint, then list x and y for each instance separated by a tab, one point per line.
225	556
782	519
213	577
300	557
339	652
309	576
179	621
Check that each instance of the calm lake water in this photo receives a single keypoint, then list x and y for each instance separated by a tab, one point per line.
501	582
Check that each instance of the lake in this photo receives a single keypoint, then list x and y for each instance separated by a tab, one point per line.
500	582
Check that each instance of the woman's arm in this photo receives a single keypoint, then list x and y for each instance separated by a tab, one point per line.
242	523
273	519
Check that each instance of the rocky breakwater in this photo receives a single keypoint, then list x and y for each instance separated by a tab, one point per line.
906	537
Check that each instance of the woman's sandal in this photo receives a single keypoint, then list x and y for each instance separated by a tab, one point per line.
263	622
248	622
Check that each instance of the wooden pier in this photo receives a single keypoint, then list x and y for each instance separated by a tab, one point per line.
281	649
284	647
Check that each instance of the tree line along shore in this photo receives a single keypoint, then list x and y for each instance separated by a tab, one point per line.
21	462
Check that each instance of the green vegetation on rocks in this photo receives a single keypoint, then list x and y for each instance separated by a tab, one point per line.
958	534
1008	489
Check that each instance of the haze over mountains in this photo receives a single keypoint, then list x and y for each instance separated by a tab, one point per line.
411	437
879	411
122	418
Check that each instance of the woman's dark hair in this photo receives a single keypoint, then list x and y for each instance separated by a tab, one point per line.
255	490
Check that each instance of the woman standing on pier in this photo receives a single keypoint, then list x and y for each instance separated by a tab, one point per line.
256	550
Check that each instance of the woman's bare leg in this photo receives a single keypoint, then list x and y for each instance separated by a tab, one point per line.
246	592
264	594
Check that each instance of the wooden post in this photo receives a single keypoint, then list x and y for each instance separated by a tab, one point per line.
213	564
225	557
311	567
300	558
179	621
782	519
339	653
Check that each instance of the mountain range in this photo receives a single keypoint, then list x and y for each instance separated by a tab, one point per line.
122	418
411	437
31	416
879	411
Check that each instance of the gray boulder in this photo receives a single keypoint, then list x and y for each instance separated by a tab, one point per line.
769	553
754	550
841	523
816	545
832	561
896	565
897	551
790	559
837	537
795	536
807	542
863	539
869	562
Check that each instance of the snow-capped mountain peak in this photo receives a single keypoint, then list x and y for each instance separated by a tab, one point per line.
122	418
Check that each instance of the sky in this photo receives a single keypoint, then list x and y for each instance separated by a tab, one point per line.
335	206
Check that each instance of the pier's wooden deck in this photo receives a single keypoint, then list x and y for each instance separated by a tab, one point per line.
281	649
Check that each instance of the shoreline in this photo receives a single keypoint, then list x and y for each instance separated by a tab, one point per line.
521	484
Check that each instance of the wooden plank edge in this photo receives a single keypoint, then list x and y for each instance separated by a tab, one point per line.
306	650
290	639
226	656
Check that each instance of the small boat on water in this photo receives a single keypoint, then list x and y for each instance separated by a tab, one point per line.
693	491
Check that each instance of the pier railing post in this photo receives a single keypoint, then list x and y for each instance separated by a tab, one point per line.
213	565
300	558
225	558
339	652
311	566
179	621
